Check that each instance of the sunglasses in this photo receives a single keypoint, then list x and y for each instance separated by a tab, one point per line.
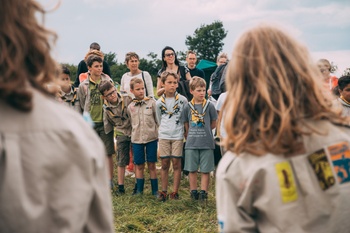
169	54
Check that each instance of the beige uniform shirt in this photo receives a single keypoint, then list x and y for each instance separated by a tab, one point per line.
53	176
116	115
71	99
305	193
143	121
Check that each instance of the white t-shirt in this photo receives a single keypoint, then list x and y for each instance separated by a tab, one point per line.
125	83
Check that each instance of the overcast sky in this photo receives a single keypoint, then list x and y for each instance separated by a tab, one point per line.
147	26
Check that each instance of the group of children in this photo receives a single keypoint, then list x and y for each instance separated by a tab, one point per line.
149	127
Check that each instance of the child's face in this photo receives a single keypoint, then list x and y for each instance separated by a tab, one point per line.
345	92
111	95
96	68
64	81
170	85
138	91
198	94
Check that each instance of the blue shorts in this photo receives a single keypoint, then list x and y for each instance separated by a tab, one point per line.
145	152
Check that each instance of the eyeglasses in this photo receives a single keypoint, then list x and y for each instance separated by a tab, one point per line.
114	92
169	54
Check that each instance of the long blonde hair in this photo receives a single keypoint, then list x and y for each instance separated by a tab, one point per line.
273	89
25	53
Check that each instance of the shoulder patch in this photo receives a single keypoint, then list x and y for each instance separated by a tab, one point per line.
286	181
322	169
340	156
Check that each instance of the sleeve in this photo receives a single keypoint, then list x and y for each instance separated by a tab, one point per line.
184	114
202	74
159	114
122	90
82	97
233	196
154	106
100	218
213	113
149	83
220	102
106	69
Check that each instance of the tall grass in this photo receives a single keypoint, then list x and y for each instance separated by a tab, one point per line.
143	213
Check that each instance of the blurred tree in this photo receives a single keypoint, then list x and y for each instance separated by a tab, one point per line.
73	70
207	40
111	58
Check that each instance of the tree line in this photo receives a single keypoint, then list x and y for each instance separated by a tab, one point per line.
206	41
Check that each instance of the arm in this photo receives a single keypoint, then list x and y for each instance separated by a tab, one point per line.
188	76
160	89
186	127
82	97
234	207
122	88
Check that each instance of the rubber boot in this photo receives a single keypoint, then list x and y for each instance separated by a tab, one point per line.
154	185
140	184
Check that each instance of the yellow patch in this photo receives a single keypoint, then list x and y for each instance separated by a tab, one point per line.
286	180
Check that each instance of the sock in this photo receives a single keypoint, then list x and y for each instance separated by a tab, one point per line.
121	187
140	183
154	185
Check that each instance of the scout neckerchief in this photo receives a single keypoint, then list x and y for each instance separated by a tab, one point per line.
175	109
110	112
140	102
72	101
196	117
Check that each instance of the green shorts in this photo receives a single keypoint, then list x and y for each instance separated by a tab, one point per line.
123	150
107	139
202	159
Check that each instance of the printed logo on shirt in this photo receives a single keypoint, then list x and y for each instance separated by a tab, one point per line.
340	156
322	169
286	181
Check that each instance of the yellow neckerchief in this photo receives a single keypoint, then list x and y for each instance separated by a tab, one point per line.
175	109
196	117
72	101
110	112
343	99
140	102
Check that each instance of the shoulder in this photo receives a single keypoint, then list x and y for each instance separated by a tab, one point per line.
183	99
160	71
146	74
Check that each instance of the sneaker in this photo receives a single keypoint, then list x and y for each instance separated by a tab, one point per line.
162	196
174	196
194	195
203	196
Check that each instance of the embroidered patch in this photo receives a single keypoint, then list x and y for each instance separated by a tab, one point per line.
286	181
340	156
322	169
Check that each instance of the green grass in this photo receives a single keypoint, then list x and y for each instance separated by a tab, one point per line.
143	213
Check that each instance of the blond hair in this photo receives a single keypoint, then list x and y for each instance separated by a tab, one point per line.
197	82
134	81
164	75
273	89
25	58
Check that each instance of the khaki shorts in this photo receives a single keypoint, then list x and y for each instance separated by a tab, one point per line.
170	148
123	150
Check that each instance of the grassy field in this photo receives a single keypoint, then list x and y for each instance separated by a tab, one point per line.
143	213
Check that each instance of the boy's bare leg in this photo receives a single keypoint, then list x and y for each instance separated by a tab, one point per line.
152	170
165	173
193	180
205	181
110	166
121	175
139	171
177	174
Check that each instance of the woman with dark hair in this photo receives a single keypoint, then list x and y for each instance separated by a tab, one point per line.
170	63
52	171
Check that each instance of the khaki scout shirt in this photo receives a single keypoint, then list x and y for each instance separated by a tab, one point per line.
53	176
71	99
306	193
143	121
116	115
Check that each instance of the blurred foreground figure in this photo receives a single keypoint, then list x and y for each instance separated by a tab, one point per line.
52	172
287	165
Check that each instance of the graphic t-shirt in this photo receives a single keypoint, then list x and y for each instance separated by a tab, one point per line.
96	102
200	135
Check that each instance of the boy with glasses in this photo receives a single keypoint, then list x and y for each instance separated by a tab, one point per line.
115	114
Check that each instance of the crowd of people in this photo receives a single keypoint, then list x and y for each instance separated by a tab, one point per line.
282	120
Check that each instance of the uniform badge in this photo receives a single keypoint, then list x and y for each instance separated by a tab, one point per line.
340	156
322	169
286	181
